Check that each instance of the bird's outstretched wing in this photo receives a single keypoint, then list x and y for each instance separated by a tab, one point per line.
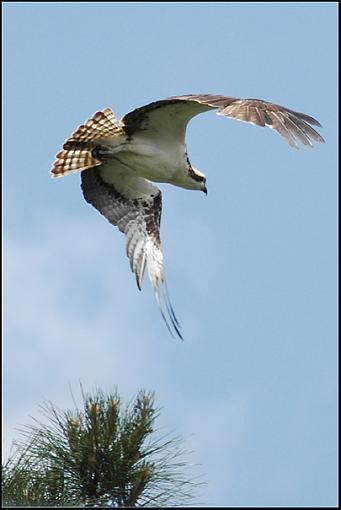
134	205
168	118
78	151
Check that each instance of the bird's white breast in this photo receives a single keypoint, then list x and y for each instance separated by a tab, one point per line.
156	160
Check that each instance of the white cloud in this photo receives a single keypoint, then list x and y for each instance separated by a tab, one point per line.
71	312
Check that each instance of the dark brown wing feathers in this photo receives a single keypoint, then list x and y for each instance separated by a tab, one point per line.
139	219
122	212
291	125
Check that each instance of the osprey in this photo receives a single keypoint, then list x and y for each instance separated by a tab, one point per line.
118	159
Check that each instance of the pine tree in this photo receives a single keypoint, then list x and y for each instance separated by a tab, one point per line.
106	454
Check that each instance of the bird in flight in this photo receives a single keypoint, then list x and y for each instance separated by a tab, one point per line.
119	160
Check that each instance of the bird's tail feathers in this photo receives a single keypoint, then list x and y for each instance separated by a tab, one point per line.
77	153
74	158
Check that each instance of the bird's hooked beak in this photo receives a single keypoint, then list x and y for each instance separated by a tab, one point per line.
204	189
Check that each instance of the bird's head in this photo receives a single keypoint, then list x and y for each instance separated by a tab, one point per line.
198	180
201	179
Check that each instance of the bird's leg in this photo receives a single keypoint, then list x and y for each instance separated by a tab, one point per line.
105	152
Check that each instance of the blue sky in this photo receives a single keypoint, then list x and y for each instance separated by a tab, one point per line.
252	267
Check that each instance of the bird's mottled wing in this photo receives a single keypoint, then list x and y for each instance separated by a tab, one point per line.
134	205
168	118
79	151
